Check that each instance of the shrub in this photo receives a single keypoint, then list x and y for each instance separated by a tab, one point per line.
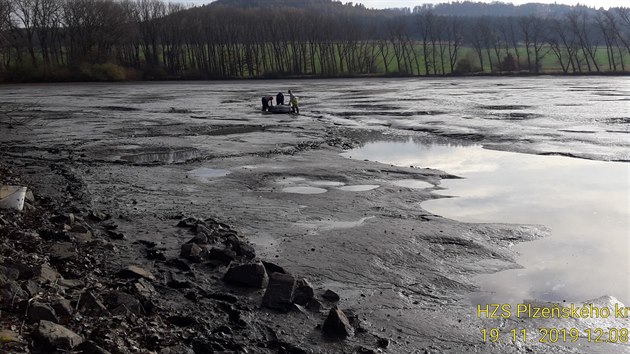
111	71
102	72
467	64
509	63
463	66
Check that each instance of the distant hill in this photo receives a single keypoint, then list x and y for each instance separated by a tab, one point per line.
462	9
478	9
271	5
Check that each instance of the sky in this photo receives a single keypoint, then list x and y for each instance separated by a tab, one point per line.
382	4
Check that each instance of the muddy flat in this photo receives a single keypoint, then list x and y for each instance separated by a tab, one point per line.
336	195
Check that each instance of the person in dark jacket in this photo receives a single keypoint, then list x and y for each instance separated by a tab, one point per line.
267	101
279	99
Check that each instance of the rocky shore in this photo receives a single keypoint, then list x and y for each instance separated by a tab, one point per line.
63	290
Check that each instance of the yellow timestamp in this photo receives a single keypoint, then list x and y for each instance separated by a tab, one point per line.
556	335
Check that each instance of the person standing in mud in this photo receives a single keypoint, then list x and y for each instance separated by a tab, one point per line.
279	99
294	103
267	102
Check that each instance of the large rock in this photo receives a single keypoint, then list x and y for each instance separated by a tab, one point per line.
279	293
189	222
200	239
57	336
63	308
63	252
45	274
202	229
38	311
81	232
337	325
71	283
273	268
135	272
251	275
304	292
314	305
26	270
121	303
176	282
191	251
91	305
223	255
143	289
331	296
31	288
241	247
11	293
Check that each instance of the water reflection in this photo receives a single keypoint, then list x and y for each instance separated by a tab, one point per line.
163	157
304	190
359	187
585	204
412	183
204	173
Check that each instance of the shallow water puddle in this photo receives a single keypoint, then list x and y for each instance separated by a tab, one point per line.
327	183
304	190
412	183
359	187
584	203
204	173
302	185
335	224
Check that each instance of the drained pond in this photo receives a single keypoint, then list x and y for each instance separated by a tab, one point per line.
448	193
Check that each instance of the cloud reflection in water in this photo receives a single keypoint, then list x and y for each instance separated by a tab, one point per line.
584	203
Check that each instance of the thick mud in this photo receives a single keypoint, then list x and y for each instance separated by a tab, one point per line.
153	153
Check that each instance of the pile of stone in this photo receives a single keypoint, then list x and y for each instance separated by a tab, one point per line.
217	244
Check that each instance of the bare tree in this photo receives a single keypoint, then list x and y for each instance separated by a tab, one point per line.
613	37
426	22
383	47
25	12
5	37
399	38
454	38
149	12
534	33
488	38
477	40
578	20
46	22
563	45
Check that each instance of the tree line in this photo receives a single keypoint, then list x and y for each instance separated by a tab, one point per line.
152	39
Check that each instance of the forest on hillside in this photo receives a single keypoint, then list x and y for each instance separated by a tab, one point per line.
59	40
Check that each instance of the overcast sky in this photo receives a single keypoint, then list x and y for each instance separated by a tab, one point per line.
382	4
